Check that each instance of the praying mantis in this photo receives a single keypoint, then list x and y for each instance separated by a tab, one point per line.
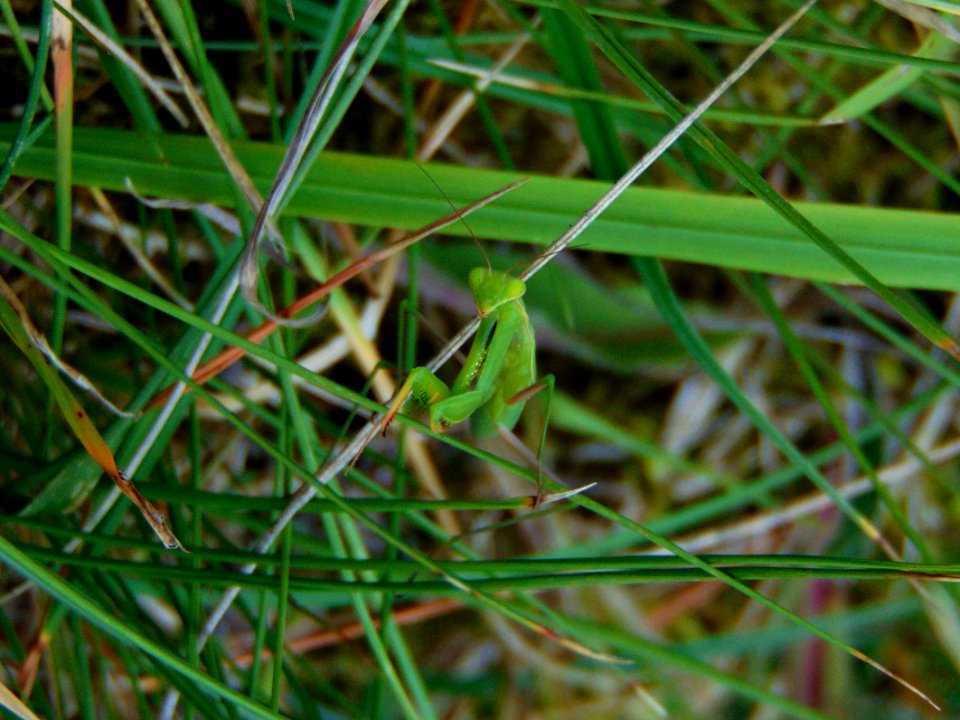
499	374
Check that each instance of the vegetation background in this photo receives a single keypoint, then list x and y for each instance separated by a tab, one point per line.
726	378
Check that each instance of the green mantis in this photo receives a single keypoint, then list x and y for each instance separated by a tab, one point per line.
500	370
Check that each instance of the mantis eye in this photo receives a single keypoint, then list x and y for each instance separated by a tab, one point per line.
478	276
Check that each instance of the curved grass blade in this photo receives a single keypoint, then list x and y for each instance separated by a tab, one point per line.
663	296
293	158
18	326
319	483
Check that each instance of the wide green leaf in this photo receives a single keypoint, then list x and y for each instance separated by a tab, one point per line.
903	248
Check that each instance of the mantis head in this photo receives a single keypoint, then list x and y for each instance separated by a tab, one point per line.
492	289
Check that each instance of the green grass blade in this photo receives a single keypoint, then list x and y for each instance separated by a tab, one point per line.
889	84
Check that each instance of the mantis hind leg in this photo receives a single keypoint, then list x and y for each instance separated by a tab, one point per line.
545	383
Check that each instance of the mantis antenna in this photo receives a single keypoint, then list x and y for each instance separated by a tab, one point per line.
463	218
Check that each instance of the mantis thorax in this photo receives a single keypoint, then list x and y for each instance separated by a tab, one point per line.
493	289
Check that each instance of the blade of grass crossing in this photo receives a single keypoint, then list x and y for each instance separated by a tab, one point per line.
304	146
939	604
877	414
122	77
333	117
888	333
362	438
482	104
907	248
332	33
180	19
86	297
656	656
348	543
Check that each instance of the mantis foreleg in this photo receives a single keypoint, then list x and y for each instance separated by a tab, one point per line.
489	355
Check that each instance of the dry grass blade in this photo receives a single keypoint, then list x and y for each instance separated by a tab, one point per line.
130	241
62	53
406	615
538	501
107	44
17	324
39	341
923	16
811	504
148	510
15	705
292	160
202	113
455	113
562	242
